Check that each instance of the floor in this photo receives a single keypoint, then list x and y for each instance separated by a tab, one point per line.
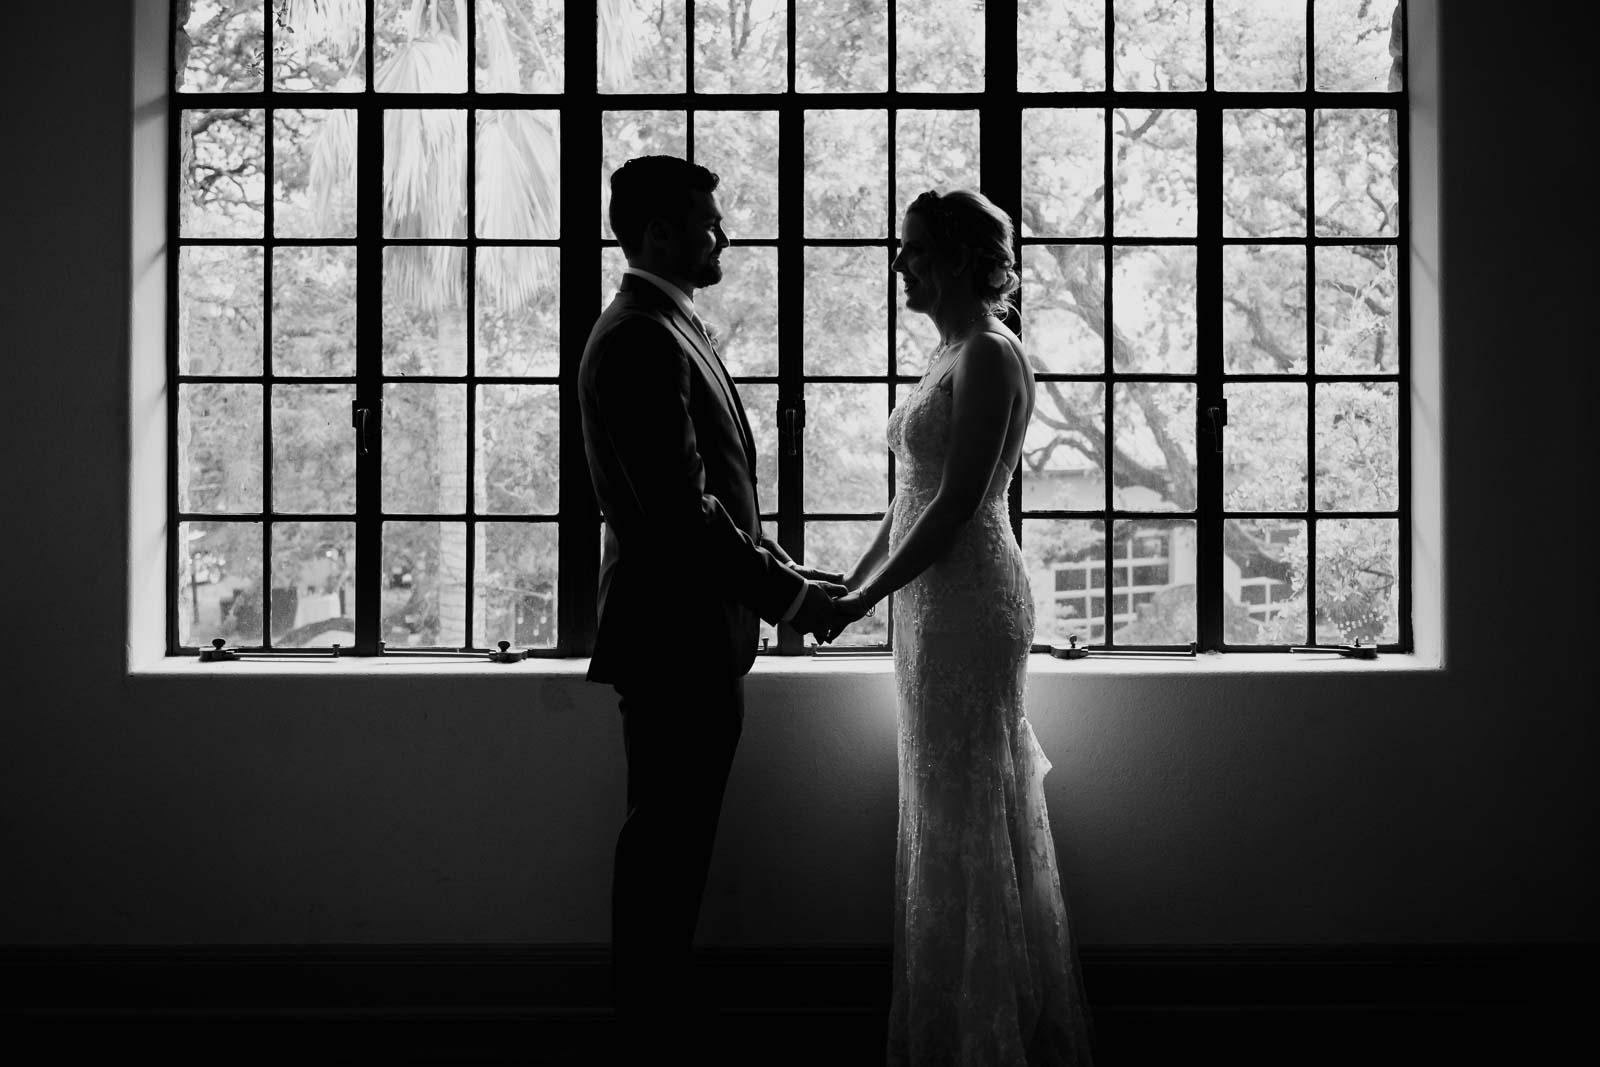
1123	1038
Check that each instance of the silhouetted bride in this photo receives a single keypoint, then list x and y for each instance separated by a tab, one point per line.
984	967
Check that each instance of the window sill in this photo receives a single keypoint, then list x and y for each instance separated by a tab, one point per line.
790	667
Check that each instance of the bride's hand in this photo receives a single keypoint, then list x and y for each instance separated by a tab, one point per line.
848	609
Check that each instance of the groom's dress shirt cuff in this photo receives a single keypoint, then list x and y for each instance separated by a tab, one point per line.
794	607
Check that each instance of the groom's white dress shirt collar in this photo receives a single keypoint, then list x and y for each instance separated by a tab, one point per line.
679	297
686	305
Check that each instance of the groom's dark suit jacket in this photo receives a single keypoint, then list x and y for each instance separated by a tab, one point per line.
685	569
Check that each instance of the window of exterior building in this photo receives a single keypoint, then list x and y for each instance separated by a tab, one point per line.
388	224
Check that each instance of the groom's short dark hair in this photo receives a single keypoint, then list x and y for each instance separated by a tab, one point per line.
653	187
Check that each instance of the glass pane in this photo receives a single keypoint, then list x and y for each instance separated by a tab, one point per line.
514	584
1264	309
425	584
741	46
519	450
1063	172
1264	580
224	182
1061	45
1064	307
424	448
424	310
421	48
1066	569
742	310
612	264
1260	45
313	597
1357	173
1264	448
939	46
1062	468
627	134
1152	583
1153	309
218	48
761	408
519	174
521	46
219	583
846	162
313	449
1155	448
1264	173
1358	311
518	312
836	546
846	462
1154	175
742	148
1358	586
933	150
314	310
640	47
219	310
316	47
424	173
846	311
1160	46
1359	46
313	173
219	447
916	339
1358	446
842	47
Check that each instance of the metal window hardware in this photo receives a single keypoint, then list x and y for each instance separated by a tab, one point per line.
1070	650
365	416
220	653
507	654
1216	418
791	421
1351	651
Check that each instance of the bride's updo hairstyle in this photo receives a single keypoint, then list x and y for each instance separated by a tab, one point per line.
965	220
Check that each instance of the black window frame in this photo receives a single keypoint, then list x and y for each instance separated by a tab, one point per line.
1000	107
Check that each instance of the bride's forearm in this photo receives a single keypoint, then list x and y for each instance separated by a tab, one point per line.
875	553
927	540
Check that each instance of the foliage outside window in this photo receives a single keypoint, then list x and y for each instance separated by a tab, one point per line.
1209	207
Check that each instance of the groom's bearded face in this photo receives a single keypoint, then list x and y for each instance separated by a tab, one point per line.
701	241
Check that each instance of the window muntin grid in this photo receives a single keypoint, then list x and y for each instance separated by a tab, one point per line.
1126	257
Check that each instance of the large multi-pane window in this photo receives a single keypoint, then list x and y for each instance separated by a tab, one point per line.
387	219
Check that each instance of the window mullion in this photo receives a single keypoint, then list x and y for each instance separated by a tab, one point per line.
791	326
369	376
578	548
1209	540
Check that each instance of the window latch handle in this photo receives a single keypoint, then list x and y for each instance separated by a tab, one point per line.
791	420
1216	419
365	416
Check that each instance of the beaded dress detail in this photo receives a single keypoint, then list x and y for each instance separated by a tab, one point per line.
985	972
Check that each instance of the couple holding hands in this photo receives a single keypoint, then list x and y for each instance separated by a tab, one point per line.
985	969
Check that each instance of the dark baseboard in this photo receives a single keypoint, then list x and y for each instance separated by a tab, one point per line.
1280	1005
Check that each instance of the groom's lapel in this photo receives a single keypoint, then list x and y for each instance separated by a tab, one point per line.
703	353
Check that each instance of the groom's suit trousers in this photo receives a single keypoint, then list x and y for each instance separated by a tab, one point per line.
680	735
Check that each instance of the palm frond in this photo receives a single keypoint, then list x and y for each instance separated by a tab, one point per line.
619	43
333	165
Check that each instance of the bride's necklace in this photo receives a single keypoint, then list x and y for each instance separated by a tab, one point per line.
959	334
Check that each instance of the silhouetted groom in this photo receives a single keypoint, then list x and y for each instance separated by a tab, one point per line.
685	570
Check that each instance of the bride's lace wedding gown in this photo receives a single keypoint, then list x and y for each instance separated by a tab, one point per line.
984	967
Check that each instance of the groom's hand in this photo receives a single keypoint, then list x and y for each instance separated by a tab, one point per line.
817	615
816	574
